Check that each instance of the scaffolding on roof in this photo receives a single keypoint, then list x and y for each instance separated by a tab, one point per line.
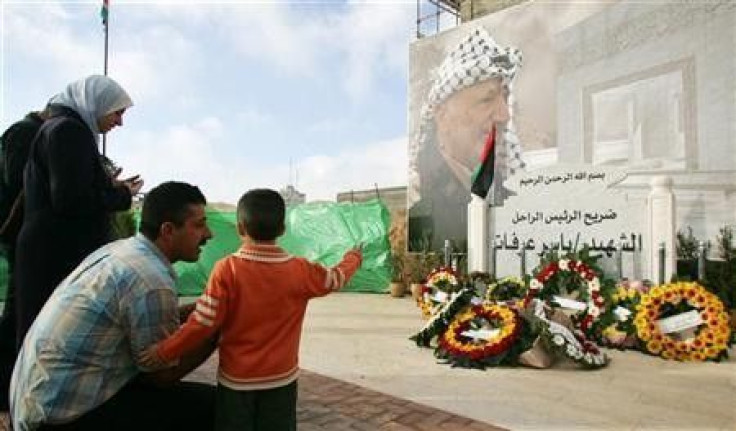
442	9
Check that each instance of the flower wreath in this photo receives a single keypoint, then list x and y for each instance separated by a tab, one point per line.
426	307
591	294
459	349
506	289
570	344
711	341
615	327
443	279
438	323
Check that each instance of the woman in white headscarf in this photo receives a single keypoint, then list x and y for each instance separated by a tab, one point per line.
68	194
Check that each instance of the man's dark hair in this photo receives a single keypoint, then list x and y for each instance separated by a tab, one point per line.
262	212
168	202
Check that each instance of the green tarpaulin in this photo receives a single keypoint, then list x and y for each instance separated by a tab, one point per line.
321	232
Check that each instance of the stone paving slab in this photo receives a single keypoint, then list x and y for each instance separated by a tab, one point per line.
327	404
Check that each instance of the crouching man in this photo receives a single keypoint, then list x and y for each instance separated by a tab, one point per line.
77	368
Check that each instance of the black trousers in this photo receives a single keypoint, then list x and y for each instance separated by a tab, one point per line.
183	406
262	410
8	342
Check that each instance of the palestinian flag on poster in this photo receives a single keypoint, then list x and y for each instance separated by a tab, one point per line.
482	178
105	11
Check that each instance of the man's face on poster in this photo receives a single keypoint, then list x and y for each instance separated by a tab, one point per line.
464	120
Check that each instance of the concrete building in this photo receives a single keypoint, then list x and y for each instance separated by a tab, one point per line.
292	196
393	197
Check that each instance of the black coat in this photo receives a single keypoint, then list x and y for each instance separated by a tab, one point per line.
68	198
16	142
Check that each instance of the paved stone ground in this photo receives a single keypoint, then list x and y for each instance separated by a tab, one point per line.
327	404
330	404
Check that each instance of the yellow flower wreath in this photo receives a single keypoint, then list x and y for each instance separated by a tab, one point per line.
710	341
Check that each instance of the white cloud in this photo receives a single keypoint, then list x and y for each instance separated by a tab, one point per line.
328	125
46	36
252	116
150	63
269	33
374	38
161	56
181	152
366	38
383	163
157	63
190	153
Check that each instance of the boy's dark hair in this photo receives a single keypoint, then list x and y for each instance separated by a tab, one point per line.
262	212
168	202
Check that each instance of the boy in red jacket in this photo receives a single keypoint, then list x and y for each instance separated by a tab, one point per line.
256	298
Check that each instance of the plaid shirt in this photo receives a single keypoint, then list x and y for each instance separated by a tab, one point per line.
82	347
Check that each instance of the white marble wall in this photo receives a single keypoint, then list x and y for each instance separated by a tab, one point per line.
630	42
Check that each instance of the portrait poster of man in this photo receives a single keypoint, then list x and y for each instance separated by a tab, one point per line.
482	92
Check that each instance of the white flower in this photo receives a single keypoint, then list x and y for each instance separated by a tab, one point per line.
535	284
594	285
593	310
577	355
558	339
588	358
564	264
622	314
571	350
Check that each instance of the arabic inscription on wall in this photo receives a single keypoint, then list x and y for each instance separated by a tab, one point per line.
564	208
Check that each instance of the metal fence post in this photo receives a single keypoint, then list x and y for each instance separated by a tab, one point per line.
702	252
661	254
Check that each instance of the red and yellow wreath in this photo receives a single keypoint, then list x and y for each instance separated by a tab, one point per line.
712	337
495	328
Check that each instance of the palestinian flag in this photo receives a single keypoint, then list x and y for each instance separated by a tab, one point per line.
104	12
482	178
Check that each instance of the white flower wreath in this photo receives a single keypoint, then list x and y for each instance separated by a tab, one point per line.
592	282
574	346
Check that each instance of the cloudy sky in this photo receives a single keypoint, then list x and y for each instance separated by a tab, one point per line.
230	95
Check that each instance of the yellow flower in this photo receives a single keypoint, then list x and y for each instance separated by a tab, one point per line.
656	291
640	322
711	352
654	347
667	354
721	331
610	330
683	356
644	334
697	356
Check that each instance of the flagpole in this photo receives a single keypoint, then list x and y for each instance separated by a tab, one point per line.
105	25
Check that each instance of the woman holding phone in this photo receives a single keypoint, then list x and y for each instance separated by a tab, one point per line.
68	193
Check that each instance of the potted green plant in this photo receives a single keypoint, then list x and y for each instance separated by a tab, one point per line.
397	288
420	265
416	273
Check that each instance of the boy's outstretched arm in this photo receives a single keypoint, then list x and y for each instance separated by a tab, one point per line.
322	280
